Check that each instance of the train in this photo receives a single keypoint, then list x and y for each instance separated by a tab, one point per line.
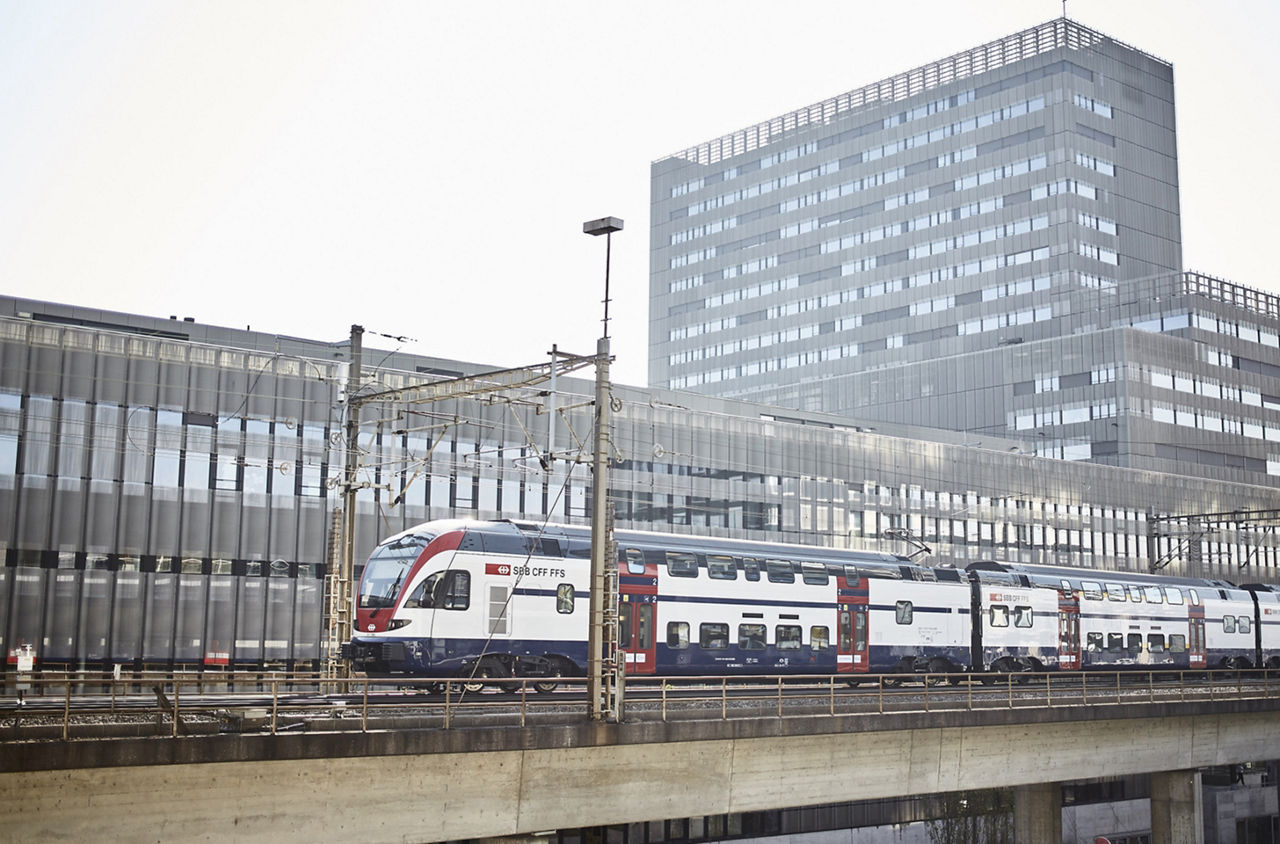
494	600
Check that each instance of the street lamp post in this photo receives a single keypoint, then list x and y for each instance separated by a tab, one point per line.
604	672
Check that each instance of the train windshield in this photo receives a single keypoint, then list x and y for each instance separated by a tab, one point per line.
387	568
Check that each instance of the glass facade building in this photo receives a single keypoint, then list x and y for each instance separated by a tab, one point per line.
168	489
989	243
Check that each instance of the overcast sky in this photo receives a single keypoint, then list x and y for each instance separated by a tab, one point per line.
424	168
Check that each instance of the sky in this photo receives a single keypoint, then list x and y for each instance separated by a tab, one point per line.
424	168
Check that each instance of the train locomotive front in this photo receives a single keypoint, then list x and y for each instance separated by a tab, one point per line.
437	601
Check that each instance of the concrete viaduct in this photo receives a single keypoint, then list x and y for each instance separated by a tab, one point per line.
430	785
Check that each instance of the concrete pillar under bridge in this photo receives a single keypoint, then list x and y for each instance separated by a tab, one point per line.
1037	813
1177	815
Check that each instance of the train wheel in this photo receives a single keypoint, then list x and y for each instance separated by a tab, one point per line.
485	670
546	687
938	671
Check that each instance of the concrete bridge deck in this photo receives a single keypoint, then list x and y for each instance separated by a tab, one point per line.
428	785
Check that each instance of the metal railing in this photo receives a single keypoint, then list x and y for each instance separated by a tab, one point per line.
73	705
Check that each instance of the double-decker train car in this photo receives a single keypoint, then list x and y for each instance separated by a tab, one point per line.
1116	620
510	599
1266	623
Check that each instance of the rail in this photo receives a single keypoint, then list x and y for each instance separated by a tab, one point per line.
71	706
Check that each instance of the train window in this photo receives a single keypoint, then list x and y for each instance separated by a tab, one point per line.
635	561
644	625
445	590
713	636
1195	597
1134	643
845	630
454	592
1177	643
1022	617
851	574
678	635
819	638
780	571
751	637
1228	624
721	568
1093	642
564	598
787	636
860	632
904	611
999	615
750	568
680	564
1092	590
1153	595
1173	594
1066	586
1135	594
1115	592
1242	624
814	574
1155	643
1115	642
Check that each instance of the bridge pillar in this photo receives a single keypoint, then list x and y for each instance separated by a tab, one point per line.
1177	814
1037	813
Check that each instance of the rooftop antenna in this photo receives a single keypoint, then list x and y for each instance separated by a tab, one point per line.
1064	8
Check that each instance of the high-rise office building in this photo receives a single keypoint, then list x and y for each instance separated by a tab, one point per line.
989	243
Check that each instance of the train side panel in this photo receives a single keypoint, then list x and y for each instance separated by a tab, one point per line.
1230	638
1018	627
1132	626
918	626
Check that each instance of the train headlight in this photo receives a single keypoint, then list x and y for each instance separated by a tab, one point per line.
397	623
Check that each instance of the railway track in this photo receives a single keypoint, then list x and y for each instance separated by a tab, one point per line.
79	708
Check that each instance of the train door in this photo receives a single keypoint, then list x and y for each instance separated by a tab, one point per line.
1068	631
1195	636
638	611
852	649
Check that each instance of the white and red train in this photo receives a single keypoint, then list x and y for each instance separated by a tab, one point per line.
510	599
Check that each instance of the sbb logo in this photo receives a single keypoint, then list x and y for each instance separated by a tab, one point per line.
497	568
